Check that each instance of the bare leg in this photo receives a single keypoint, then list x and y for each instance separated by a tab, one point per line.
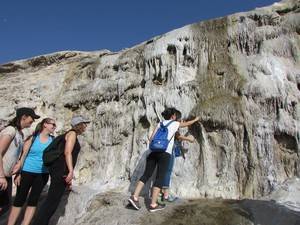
13	215
30	210
138	190
155	193
165	192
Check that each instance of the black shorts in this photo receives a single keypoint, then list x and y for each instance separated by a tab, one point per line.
32	183
161	160
5	195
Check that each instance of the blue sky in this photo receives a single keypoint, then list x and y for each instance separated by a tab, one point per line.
36	27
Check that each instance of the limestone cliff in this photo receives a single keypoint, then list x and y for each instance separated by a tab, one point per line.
240	74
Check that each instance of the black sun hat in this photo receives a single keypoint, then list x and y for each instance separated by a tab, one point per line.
27	112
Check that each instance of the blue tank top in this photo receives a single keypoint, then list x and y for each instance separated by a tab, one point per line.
34	159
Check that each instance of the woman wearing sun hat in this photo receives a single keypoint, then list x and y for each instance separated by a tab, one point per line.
11	143
62	170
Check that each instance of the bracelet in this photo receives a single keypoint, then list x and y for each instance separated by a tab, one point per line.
2	176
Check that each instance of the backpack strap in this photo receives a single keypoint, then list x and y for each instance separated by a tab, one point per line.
33	137
169	123
166	126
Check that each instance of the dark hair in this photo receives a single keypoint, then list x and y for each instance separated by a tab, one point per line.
20	112
39	127
169	112
16	122
178	115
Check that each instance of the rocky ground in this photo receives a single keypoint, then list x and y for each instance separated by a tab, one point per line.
113	209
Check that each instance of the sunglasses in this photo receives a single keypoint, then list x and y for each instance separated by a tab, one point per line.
53	124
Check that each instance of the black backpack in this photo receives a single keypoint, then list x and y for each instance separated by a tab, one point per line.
54	150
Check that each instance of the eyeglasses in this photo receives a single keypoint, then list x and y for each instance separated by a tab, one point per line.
53	124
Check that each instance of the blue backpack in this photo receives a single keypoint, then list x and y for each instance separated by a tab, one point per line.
177	149
160	140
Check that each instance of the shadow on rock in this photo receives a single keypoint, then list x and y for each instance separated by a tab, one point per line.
269	213
138	172
204	212
60	211
225	212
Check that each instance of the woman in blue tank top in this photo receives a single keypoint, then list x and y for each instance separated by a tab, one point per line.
33	174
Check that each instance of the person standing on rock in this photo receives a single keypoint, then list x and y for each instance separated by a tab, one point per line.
165	194
11	143
62	170
177	149
34	174
159	159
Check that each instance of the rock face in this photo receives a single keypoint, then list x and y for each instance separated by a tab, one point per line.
287	194
240	74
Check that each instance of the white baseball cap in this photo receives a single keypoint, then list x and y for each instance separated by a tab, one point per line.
79	119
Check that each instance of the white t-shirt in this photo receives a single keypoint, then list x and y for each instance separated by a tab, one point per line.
172	129
12	154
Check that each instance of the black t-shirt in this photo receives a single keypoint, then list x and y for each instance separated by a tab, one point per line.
75	152
60	165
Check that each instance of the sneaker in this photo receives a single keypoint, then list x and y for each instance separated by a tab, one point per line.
171	198
156	208
134	203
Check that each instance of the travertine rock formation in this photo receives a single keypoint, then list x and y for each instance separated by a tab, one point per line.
240	74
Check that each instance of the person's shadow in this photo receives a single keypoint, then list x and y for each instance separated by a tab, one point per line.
136	175
60	211
54	219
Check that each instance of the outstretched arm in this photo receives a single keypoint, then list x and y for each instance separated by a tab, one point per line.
189	138
190	122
